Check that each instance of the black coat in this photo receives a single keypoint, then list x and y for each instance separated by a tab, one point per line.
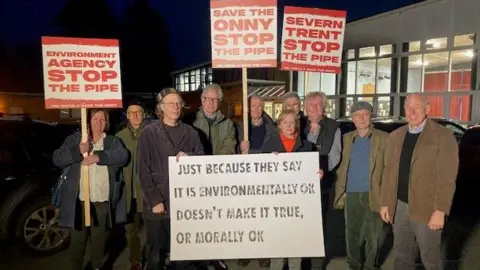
154	149
274	144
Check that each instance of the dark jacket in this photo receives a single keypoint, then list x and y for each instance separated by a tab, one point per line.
274	144
154	149
271	129
130	173
114	156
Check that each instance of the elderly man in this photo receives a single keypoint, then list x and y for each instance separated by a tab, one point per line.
260	127
291	101
133	191
217	132
357	189
418	186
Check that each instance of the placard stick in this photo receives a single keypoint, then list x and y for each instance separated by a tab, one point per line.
290	86
245	103
85	181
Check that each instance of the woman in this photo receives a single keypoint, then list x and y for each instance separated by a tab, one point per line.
159	141
105	158
287	140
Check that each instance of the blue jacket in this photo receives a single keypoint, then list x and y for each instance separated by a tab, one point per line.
114	156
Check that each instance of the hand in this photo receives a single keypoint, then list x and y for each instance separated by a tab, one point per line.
320	173
180	154
159	209
89	160
437	220
244	147
384	214
85	147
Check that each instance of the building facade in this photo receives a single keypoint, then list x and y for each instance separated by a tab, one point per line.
430	47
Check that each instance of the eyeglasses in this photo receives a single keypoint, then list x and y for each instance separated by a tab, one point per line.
212	100
174	105
140	112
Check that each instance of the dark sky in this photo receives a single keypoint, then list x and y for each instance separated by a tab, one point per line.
24	21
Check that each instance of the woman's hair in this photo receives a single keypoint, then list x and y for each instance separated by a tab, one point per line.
90	115
284	115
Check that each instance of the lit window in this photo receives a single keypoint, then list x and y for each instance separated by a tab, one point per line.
348	106
386	50
436	43
367	52
383	109
384	74
366	81
351	77
328	83
461	73
464	40
412	46
414	76
351	54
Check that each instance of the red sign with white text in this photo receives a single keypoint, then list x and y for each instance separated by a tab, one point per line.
312	39
81	73
244	33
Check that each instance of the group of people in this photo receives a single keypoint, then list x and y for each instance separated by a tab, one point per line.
406	178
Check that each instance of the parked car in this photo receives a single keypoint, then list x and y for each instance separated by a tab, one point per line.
390	124
27	176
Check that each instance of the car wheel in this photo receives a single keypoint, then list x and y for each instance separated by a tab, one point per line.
38	228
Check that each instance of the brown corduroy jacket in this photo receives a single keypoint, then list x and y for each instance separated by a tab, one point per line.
433	172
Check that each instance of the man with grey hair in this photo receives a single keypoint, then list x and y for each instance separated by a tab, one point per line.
217	132
357	189
260	127
418	186
291	101
324	133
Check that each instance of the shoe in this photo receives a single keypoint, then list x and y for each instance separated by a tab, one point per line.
264	263
136	266
219	265
243	262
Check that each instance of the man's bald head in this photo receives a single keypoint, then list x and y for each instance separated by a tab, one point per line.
416	108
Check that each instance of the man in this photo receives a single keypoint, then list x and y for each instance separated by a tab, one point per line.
159	141
291	101
260	127
357	189
324	133
129	135
217	132
418	186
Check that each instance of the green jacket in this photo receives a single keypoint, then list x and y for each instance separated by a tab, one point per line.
129	171
218	138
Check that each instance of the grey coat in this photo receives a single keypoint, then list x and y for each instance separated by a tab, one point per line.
114	156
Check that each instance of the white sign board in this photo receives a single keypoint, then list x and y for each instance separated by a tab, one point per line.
245	206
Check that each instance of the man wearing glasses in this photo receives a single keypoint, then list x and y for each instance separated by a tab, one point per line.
129	135
217	133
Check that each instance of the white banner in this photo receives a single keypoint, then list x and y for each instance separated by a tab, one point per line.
245	206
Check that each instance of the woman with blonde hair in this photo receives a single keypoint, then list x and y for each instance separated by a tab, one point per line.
287	140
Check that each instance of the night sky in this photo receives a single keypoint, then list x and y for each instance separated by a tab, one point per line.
25	21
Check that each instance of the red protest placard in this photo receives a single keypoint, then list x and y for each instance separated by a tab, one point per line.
312	39
244	33
81	73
